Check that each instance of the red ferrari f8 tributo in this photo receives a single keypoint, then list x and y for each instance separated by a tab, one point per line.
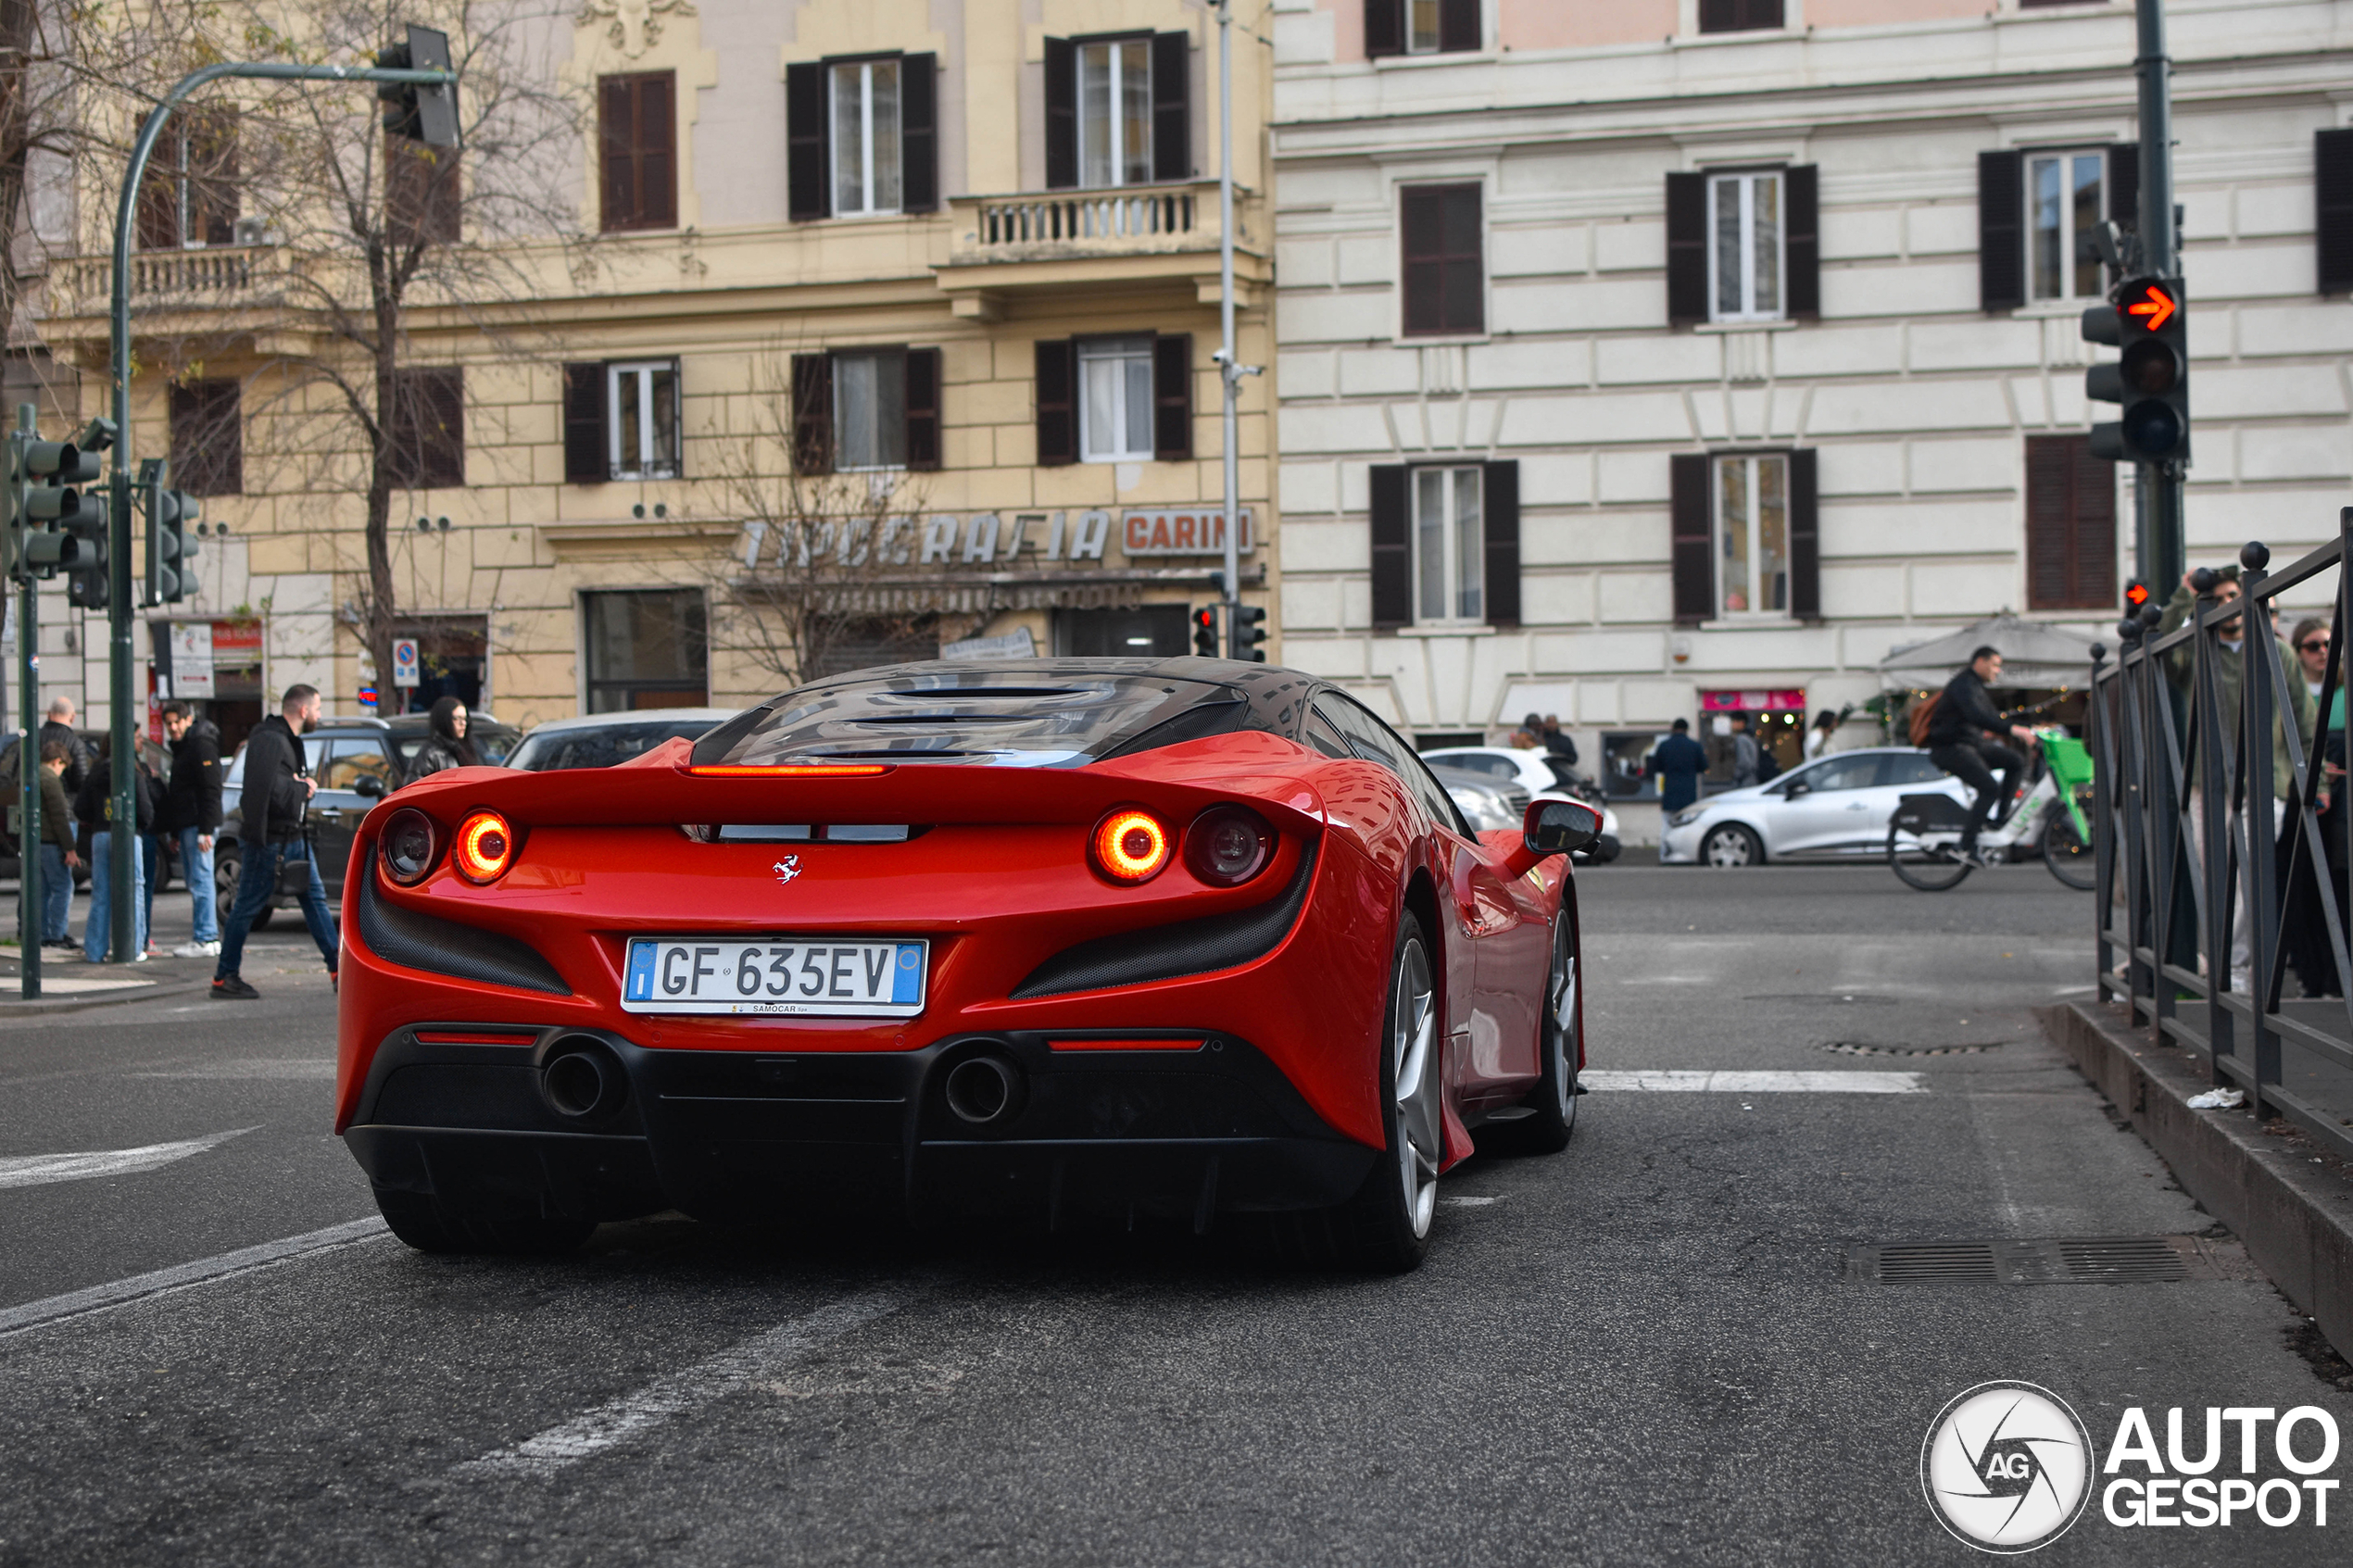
1185	937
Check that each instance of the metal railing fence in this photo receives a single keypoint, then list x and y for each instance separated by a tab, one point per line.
2202	859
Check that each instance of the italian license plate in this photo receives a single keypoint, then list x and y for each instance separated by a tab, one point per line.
785	975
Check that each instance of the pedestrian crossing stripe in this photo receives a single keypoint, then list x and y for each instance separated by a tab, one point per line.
1684	1080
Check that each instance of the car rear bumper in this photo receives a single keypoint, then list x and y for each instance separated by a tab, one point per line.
740	1136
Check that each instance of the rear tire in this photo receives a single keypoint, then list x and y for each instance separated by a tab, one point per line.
430	1225
1559	1035
2066	853
1931	865
1731	846
1385	1227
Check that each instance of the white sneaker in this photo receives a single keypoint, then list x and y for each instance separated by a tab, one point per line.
196	950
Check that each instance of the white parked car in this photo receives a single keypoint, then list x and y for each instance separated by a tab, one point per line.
1538	775
1835	806
600	740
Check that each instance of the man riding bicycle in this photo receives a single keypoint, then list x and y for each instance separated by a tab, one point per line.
1965	737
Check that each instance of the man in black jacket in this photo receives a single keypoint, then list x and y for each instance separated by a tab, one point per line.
1965	737
191	816
270	829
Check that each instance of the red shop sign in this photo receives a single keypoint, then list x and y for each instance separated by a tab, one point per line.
1750	701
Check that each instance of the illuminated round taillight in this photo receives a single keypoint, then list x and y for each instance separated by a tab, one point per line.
1228	846
411	843
1130	846
485	847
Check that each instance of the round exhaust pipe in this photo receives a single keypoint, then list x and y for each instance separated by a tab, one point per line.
583	1081
985	1091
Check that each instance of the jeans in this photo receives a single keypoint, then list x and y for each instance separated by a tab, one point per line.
195	864
98	933
57	894
256	880
1967	762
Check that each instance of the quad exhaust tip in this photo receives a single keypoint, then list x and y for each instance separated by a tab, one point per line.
985	1091
583	1080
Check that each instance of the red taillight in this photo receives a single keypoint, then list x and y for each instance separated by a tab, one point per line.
1130	846
1119	1045
1228	844
485	847
789	770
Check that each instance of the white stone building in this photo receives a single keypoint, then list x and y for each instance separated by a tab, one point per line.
1671	357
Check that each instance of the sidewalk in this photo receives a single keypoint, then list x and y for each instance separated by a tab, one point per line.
68	984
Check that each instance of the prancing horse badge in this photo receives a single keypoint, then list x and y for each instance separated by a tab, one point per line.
787	868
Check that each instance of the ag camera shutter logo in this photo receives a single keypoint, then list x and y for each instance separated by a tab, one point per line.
2007	1467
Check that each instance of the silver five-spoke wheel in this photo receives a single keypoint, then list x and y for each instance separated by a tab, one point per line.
1414	1051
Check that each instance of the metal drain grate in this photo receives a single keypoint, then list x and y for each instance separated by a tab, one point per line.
2096	1259
1864	1048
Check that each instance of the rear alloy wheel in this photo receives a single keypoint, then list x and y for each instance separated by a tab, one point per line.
1552	1108
1730	847
430	1225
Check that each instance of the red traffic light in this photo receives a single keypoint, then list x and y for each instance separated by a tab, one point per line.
2153	306
2137	593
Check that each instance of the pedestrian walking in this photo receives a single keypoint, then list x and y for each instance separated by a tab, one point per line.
59	859
95	806
1817	739
1677	762
1745	754
445	745
1965	737
191	819
270	832
1556	741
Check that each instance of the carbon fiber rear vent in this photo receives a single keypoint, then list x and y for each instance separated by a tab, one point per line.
1170	952
441	947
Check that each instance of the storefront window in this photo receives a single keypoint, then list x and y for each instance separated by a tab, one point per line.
646	650
1775	718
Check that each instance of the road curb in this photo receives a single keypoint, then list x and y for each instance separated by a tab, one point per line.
2296	1217
12	1005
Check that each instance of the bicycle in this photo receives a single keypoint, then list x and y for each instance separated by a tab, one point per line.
1924	837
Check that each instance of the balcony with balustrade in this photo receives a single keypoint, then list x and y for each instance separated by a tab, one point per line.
1003	248
203	289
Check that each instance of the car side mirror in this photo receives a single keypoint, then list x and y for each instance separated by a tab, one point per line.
1796	788
1554	827
368	784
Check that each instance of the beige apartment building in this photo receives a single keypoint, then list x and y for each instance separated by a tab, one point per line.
949	264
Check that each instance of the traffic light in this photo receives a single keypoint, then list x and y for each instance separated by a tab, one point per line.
1205	631
85	563
2137	593
420	114
170	548
2150	378
1250	631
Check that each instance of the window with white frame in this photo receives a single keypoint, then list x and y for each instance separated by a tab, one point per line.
870	410
2064	196
866	149
1116	400
1744	248
1752	535
641	423
1115	112
1448	546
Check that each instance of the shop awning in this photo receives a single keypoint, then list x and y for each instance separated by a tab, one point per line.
2034	654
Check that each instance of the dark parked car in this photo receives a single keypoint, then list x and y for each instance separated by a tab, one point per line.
356	762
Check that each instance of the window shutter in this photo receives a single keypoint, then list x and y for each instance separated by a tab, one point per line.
1686	249
1500	512
2333	207
1393	579
1801	240
159	194
587	455
812	413
2000	231
918	132
1057	402
425	428
213	194
1172	397
2071	525
637	136
657	151
617	182
1062	115
1384	28
1693	547
1458	24
807	192
922	407
1805	539
1172	121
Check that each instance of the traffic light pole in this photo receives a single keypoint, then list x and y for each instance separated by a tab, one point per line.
121	868
2159	549
30	929
1229	373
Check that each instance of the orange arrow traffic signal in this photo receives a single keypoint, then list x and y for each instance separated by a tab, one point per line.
2155	307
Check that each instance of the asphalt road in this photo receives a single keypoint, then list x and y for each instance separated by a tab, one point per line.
1645	1349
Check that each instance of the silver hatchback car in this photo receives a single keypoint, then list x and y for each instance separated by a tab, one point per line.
1833	807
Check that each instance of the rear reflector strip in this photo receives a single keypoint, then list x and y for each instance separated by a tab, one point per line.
1127	1045
474	1037
806	833
789	770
